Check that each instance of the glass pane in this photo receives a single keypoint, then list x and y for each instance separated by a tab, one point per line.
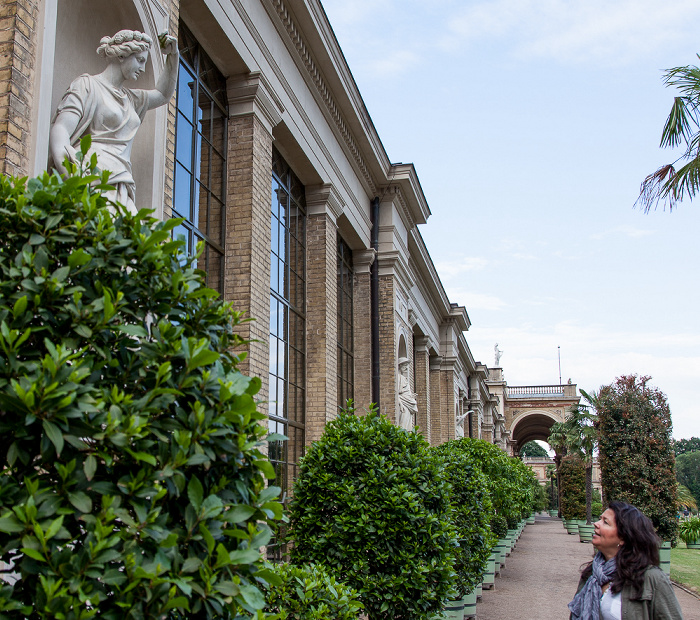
213	267
274	230
200	207
183	141
274	355
205	114
181	197
217	173
185	92
281	404
274	273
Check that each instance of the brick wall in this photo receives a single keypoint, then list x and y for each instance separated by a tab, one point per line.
321	324
18	22
362	342
422	378
248	236
387	348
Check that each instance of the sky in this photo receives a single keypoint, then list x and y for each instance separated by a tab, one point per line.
531	124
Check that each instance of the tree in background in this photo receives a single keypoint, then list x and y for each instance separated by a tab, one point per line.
682	446
635	452
670	184
532	448
572	476
558	441
688	473
583	438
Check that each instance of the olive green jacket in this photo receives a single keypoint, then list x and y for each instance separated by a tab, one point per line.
655	602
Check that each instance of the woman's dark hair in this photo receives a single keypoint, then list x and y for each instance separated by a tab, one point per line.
639	550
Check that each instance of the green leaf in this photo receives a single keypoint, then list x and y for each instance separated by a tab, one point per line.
33	553
244	556
195	492
55	526
266	468
54	434
10	524
20	306
240	513
81	501
137	331
203	358
78	257
253	597
90	466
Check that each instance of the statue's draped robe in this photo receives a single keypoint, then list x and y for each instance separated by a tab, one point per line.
112	116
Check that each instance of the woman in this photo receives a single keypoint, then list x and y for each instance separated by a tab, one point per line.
624	579
101	106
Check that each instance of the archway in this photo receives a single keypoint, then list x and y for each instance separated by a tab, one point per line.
531	426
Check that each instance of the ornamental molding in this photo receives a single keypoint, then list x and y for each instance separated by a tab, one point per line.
314	73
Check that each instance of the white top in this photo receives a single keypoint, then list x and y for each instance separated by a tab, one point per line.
611	606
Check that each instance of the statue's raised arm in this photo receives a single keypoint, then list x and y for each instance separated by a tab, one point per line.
100	105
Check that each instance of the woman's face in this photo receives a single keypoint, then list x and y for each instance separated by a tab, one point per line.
605	537
134	65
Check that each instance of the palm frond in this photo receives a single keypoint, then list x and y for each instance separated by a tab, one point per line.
681	124
685	498
655	189
687	180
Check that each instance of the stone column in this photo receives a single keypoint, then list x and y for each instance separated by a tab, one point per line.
421	362
362	328
252	115
447	395
436	400
323	205
387	348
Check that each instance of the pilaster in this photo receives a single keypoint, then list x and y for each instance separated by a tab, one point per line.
321	310
436	400
422	376
248	233
387	348
362	327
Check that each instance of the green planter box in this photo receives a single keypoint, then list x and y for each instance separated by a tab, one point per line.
585	533
470	605
665	557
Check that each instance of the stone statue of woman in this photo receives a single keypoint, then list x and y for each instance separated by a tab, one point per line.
408	406
100	105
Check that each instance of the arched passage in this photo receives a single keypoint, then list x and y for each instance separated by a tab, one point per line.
530	427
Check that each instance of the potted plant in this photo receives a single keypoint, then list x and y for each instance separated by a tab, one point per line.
689	532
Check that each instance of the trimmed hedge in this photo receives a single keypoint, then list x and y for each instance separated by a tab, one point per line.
372	505
471	512
131	480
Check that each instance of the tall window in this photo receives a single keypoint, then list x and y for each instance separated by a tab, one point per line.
200	156
287	320
346	375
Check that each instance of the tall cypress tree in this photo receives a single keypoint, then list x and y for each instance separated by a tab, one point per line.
635	450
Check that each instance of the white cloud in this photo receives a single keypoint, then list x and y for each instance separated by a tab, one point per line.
626	231
474	301
458	266
614	31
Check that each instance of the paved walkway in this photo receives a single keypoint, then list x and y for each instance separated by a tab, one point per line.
541	574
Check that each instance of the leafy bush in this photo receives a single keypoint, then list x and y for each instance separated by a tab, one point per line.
541	500
310	592
499	526
510	481
471	512
572	477
533	449
131	482
636	455
372	505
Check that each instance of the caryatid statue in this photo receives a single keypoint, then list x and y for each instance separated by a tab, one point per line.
408	406
100	105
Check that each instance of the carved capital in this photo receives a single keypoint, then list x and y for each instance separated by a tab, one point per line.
252	94
324	199
362	260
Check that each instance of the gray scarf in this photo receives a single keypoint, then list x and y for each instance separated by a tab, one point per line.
586	603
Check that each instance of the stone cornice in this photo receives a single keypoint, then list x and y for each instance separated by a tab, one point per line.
307	59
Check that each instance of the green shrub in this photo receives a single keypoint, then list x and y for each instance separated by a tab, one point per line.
499	526
131	482
572	476
688	472
310	592
471	512
541	500
689	531
635	451
508	478
372	505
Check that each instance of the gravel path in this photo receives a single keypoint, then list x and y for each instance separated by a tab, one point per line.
541	575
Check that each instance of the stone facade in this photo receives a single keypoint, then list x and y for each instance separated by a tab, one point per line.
288	90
